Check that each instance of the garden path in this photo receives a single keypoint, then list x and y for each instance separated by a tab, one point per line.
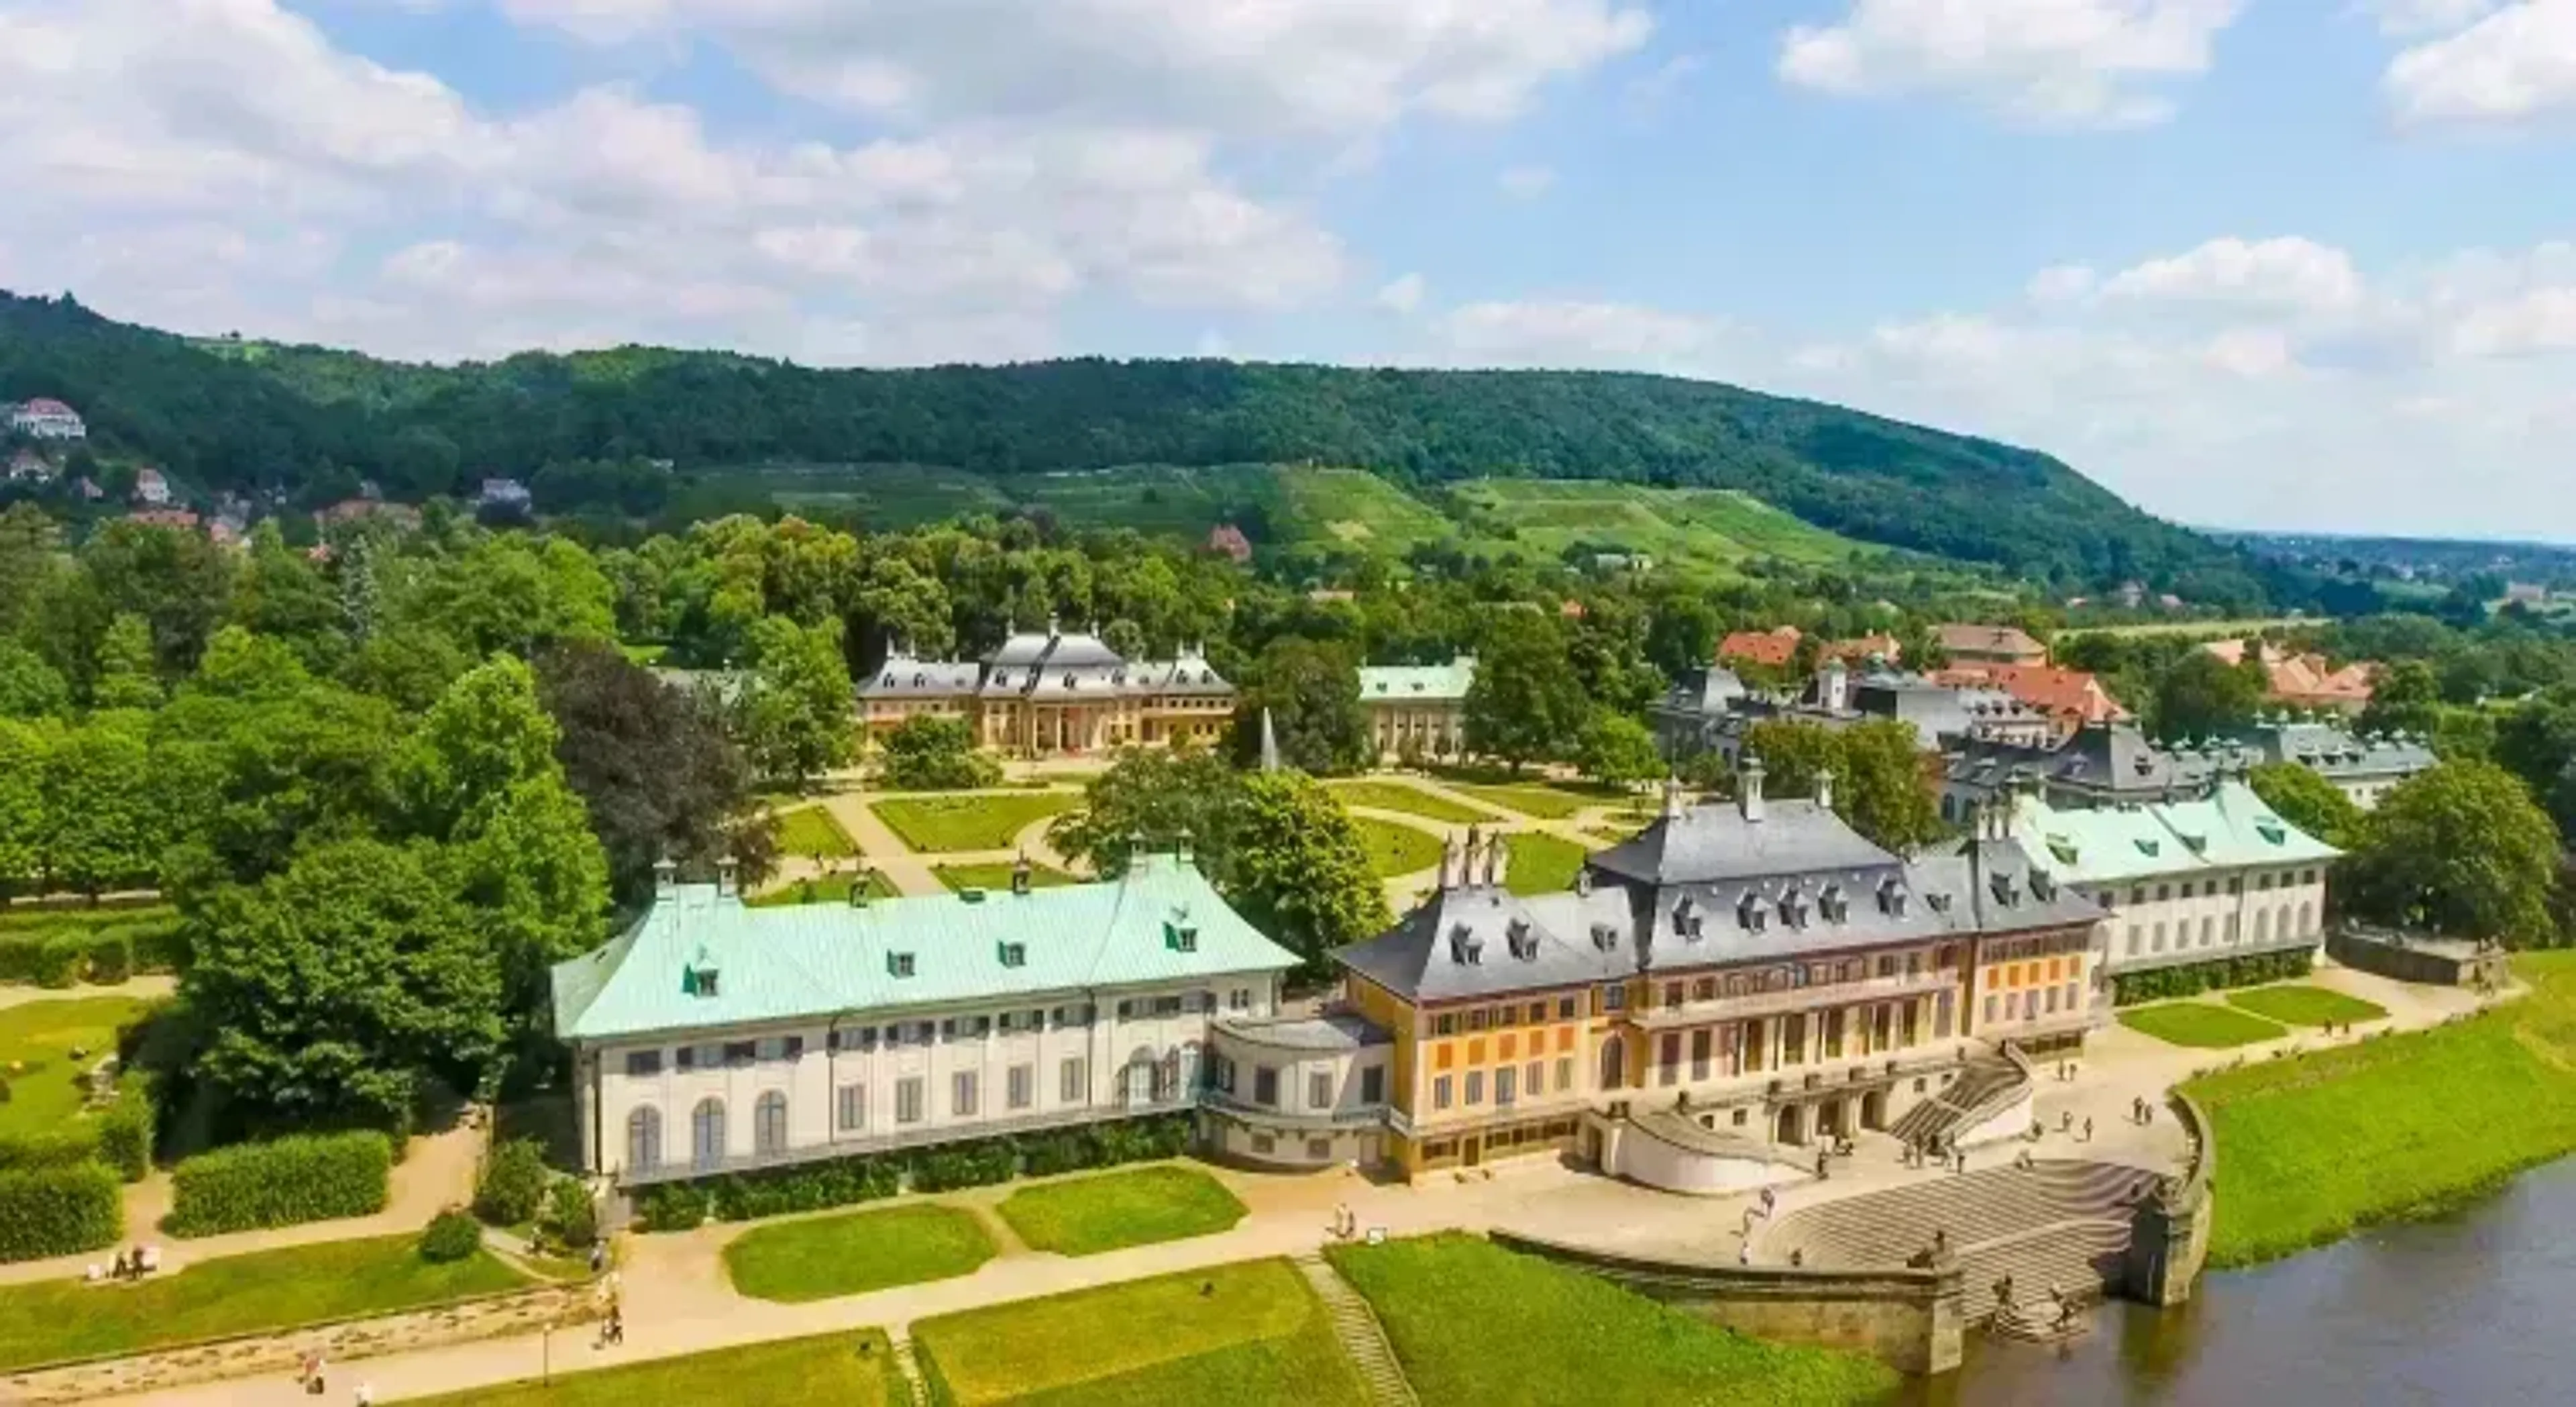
149	987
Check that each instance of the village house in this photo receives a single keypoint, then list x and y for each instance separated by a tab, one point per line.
1228	541
1418	710
44	419
2305	680
504	496
1770	649
2363	768
1043	694
151	488
2072	698
1989	644
28	467
1717	713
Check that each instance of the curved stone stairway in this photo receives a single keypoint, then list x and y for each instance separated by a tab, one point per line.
1987	1087
2061	1223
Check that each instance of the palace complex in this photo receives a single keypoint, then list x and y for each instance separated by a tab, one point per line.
1041	695
1418	709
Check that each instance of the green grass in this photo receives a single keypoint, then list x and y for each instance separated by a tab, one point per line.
2202	1025
830	1370
1413	801
825	889
1538	801
1394	848
939	824
1084	1216
1350	509
1473	1322
267	1290
996	879
809	831
1243	1335
1539	863
40	1036
2312	1148
2235	629
827	1257
2299	1005
1713	530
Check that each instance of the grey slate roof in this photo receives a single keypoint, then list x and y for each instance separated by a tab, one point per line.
1714	842
1333	1032
2109	760
2338	752
902	676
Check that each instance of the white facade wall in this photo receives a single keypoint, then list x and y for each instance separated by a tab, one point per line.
813	1081
2211	914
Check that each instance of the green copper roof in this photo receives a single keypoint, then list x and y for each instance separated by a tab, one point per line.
1419	683
1161	922
2228	829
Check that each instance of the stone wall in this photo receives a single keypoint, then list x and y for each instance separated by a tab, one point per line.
1913	1320
465	1321
2434	963
2169	1238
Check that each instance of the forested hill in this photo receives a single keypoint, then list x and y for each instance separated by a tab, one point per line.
226	415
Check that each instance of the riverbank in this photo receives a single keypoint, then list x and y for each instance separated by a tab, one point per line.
2405	1126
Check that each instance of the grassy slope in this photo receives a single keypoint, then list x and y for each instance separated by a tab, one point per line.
830	1370
826	1257
1087	1215
60	1319
41	1036
2309	1149
1474	1323
2201	1025
1244	1335
1714	528
944	824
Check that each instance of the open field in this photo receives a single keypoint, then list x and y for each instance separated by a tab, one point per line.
2201	1025
810	831
1412	801
2402	1125
1244	1335
54	1320
986	821
2194	629
1473	1322
1084	1216
820	1258
41	1037
1396	849
2300	1005
829	1370
1536	863
1708	528
824	889
997	878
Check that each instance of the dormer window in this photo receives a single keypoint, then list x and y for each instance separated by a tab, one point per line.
1682	915
2002	886
1523	939
1940	902
1015	955
898	964
1604	937
2043	885
1180	936
1749	913
699	981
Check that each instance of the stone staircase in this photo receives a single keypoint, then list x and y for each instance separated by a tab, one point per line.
1985	1088
916	1387
2060	1223
1356	1326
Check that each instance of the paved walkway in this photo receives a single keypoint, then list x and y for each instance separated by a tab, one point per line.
914	872
148	987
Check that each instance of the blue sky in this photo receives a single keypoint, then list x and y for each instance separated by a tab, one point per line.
2287	263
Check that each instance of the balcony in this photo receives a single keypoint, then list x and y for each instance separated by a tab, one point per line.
1763	1004
1337	1117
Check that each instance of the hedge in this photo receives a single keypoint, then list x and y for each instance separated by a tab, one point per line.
59	1211
451	1237
52	1148
680	1206
308	1177
2191	979
67	948
125	1131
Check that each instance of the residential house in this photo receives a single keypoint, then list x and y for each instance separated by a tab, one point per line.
151	488
1418	710
28	467
1989	644
2362	768
2100	765
1228	540
502	496
2305	680
2073	698
1721	712
1869	651
45	419
1771	649
1058	692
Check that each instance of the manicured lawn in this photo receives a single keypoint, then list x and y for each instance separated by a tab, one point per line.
830	1370
809	831
59	1319
933	824
41	1036
1084	1216
1244	1335
1412	801
1473	1322
829	889
1540	802
997	878
1540	864
826	1257
2203	1025
2311	1148
2300	1005
1396	849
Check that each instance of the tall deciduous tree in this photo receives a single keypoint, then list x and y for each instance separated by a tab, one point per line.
796	721
2462	849
26	754
1617	749
1880	786
2205	696
1153	795
125	675
1526	702
929	753
2307	800
105	815
2407	698
1290	861
29	687
1311	694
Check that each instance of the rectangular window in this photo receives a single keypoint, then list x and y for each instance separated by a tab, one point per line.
1614	997
961	1094
1022	1085
1534	1079
1167	1006
737	1053
1990	1007
644	1064
2052	1001
1537	1012
1126	1009
1264	1143
2133	940
1565	1076
907	1100
1240	999
1445	1024
1265	1086
1072	1085
2160	938
1668	1059
1319	1090
1565	1008
1699	1054
1373	1085
1440	1091
1475	1087
854	1108
1319	1149
2071	1001
1506	1085
1476	1019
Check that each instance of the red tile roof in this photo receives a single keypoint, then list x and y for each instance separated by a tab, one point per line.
1775	648
2070	695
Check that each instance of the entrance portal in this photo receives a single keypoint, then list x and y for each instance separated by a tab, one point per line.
1829	1119
1792	1126
1873	1110
1471	1150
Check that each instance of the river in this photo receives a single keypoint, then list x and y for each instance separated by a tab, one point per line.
2475	1308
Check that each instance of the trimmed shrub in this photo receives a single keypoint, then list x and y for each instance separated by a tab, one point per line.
513	1184
452	1236
571	1217
672	1206
2191	979
160	946
110	955
60	961
125	1131
59	1211
50	1148
22	956
308	1177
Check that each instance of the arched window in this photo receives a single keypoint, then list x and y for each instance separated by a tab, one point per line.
644	1139
1139	1081
2307	919
2284	927
1192	1062
2262	925
707	1134
1614	1064
769	1124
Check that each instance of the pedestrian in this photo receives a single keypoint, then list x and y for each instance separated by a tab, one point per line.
598	1257
365	1396
616	1323
2088	1128
1770	1201
1744	1254
118	1273
2065	1120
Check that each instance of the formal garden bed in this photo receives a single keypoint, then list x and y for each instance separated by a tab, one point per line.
944	824
827	1257
1243	1335
1534	797
56	1320
832	888
2309	1149
36	1042
1411	800
828	1370
1539	863
1472	1322
1088	1215
1396	849
2299	1005
2200	1025
996	878
811	832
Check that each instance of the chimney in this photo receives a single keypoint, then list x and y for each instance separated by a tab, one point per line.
725	878
1136	850
860	884
1748	788
1672	797
1494	860
1452	863
1468	860
1020	874
1825	788
1052	630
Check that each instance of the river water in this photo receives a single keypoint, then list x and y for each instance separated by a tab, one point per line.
2476	1309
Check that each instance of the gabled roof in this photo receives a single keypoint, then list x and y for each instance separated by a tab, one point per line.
818	960
1776	647
1965	639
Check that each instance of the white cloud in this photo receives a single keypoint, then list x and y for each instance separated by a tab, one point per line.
1526	182
2287	272
2516	62
1650	92
2063	283
2407	19
1401	294
2054	62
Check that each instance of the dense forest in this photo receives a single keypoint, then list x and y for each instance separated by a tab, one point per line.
243	415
